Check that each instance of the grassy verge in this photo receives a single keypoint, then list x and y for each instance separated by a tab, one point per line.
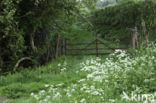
123	77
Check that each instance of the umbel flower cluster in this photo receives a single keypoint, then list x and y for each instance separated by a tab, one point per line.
107	79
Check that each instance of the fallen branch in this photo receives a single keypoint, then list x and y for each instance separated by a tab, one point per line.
19	61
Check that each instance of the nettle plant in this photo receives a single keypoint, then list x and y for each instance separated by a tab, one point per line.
106	80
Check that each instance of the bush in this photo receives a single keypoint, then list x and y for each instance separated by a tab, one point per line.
113	22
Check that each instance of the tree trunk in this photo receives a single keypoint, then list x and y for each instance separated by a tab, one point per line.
136	36
58	45
32	40
34	30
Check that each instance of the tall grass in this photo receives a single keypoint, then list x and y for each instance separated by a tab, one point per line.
87	80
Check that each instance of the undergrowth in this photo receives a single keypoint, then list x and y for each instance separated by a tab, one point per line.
87	80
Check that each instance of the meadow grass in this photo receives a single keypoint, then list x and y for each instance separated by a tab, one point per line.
87	79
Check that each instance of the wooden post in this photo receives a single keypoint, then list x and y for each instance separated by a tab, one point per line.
96	47
134	36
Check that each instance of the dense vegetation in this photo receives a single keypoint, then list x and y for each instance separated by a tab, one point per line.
22	25
29	28
114	22
34	69
91	79
32	28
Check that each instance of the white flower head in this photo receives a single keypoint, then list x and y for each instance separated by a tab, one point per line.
82	100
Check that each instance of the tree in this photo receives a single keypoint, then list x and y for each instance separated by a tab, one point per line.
29	28
22	20
113	22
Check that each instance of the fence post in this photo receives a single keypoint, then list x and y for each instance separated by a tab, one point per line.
96	47
134	37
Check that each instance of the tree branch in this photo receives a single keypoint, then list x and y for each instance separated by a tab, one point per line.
19	61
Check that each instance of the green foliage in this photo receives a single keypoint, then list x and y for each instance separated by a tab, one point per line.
115	21
27	22
89	3
11	38
33	80
90	78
